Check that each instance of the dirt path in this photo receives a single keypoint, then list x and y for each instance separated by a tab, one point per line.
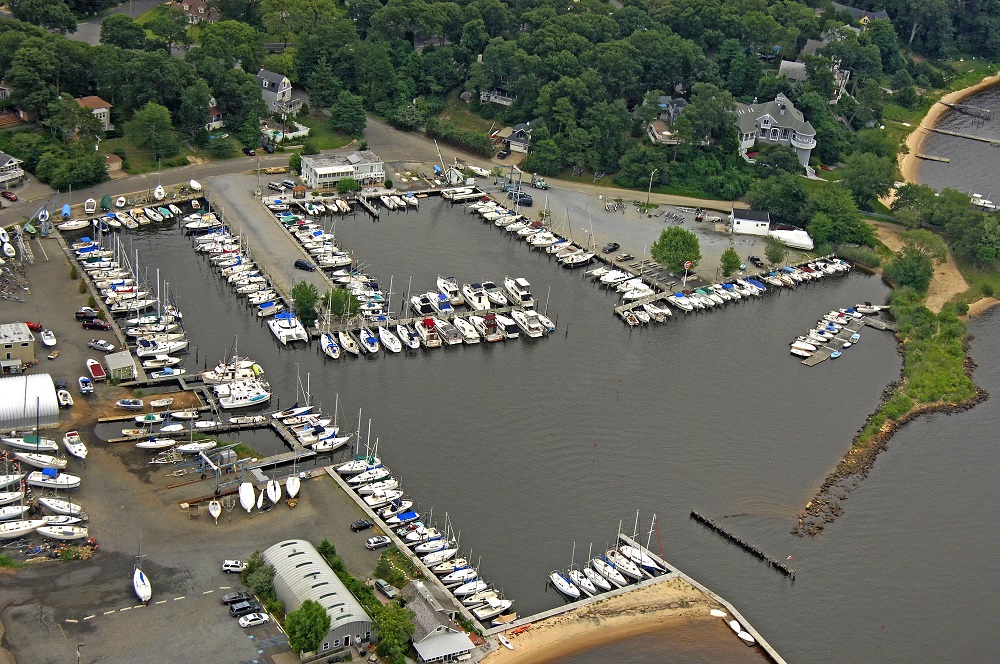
947	281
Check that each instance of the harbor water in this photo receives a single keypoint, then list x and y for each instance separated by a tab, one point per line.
532	445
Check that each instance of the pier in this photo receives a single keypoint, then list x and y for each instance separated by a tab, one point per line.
930	157
969	109
746	546
982	139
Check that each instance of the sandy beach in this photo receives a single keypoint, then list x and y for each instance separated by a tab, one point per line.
672	603
908	161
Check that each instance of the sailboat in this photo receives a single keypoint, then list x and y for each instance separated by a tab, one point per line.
140	582
247	496
273	489
215	509
577	577
159	193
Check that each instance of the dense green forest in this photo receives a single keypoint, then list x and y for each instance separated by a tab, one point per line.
585	72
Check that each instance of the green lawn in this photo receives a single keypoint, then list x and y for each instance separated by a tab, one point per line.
457	113
978	278
140	161
321	135
194	31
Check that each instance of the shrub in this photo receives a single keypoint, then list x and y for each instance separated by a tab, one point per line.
82	287
73	274
962	308
987	290
92	302
388	183
860	255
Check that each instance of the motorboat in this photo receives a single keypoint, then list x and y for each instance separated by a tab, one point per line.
389	340
519	291
507	327
86	385
52	479
167	372
487	327
60	506
65	398
469	333
441	303
564	585
494	294
32	443
428	333
40	460
528	322
227	372
491	609
476	297
96	370
151	347
160	361
449	286
245	393
286	327
448	332
408	336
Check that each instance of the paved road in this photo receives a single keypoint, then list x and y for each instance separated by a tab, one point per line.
90	31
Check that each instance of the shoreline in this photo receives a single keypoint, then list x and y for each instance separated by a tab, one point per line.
667	605
914	140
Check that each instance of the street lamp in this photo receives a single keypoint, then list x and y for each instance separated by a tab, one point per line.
650	188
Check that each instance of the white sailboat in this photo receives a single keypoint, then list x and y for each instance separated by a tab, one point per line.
292	485
215	509
247	496
389	340
140	582
12	529
273	489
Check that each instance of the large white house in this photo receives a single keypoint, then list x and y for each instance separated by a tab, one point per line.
324	170
276	91
775	122
10	168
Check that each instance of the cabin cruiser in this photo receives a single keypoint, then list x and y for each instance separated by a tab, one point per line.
449	333
476	297
494	294
519	291
428	333
507	327
286	327
449	287
528	321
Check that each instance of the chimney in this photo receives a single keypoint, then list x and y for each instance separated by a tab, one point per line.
782	111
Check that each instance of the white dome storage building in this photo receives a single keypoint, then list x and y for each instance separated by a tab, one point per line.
27	399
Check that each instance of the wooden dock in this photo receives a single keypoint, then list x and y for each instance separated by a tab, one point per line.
930	157
982	139
969	109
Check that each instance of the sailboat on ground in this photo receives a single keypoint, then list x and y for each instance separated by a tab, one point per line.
140	582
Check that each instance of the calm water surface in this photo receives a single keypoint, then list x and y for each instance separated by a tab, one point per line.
532	445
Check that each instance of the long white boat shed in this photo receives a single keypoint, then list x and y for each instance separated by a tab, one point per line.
325	170
27	399
301	573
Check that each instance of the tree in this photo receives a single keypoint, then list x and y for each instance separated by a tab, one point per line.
836	219
348	114
674	247
50	14
868	176
192	116
295	162
361	12
774	251
394	625
730	262
911	267
170	25
785	197
927	243
347	186
777	159
233	43
341	302
324	86
122	31
306	626
150	129
68	119
304	297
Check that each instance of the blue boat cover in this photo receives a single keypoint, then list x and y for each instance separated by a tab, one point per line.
66	211
678	294
727	286
50	472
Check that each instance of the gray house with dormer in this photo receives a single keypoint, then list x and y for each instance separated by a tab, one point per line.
276	91
776	122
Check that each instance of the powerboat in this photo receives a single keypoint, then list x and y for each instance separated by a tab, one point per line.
528	322
487	327
286	327
449	333
494	294
476	297
428	333
491	609
441	303
421	305
245	393
507	327
449	286
519	291
467	330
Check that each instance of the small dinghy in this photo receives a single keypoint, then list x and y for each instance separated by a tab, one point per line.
161	403
159	193
717	613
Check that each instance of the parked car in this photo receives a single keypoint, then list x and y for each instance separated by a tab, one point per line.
275	186
268	148
361	524
96	324
377	542
9	195
235	598
243	608
250	152
386	589
288	184
86	313
233	566
521	198
624	257
304	264
611	246
101	344
254	619
503	154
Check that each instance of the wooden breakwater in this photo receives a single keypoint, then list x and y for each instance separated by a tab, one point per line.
743	544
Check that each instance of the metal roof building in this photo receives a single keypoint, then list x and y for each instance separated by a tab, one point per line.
121	366
301	573
27	399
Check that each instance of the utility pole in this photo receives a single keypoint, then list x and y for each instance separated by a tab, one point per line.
78	646
650	188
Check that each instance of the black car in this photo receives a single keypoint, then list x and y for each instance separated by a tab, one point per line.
60	383
503	154
243	608
96	324
521	198
250	152
86	313
268	148
611	246
303	264
361	524
236	598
